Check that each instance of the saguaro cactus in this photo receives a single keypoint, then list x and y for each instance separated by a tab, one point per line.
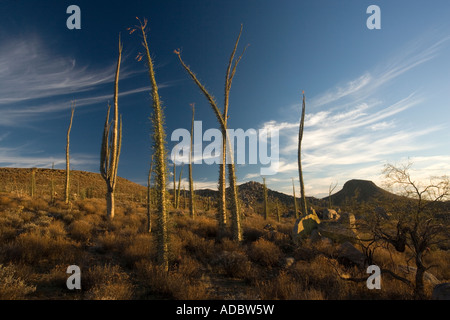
160	157
300	172
109	155
67	190
222	118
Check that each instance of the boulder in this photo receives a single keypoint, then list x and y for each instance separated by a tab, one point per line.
305	225
427	277
289	261
330	214
441	291
348	254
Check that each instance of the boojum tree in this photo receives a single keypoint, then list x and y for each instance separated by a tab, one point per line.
111	144
295	200
159	151
67	189
300	171
266	203
222	118
149	196
191	179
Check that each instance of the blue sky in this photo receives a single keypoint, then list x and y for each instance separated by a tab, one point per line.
372	96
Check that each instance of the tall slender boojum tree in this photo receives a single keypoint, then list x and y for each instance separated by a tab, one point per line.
222	118
300	171
191	179
67	189
159	151
110	152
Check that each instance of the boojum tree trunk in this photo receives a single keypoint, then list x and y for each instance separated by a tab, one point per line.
179	188
191	179
149	196
159	152
266	204
295	200
110	152
227	153
67	189
300	172
174	185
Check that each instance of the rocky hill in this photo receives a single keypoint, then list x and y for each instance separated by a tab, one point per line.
361	191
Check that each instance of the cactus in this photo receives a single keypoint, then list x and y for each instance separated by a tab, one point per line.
266	204
300	172
295	200
160	158
222	118
110	151
191	179
67	190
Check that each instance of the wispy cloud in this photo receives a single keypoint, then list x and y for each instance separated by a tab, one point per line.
411	56
34	82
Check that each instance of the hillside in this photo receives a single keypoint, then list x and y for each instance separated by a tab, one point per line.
83	184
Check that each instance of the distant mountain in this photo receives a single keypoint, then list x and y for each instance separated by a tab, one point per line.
251	195
361	191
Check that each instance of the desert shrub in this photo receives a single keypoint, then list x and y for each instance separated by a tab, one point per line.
200	248
285	287
5	201
12	287
234	264
142	247
172	284
321	275
265	253
36	248
107	283
80	230
38	204
205	227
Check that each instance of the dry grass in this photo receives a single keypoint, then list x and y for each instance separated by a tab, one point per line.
39	240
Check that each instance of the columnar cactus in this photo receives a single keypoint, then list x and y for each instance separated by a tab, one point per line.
110	152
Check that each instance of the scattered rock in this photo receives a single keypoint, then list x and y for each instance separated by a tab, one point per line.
441	292
289	261
348	254
330	214
428	277
304	226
